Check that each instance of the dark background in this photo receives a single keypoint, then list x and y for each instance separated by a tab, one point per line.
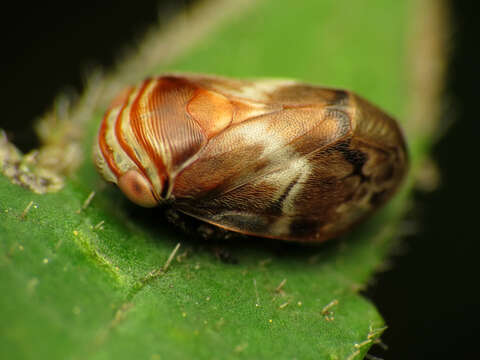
430	298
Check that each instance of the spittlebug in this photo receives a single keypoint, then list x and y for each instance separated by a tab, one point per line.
271	158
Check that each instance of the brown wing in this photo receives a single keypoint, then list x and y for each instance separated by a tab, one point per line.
305	172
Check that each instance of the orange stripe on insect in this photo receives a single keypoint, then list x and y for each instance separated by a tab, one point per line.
105	149
124	144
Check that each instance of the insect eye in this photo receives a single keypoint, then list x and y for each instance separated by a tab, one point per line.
137	188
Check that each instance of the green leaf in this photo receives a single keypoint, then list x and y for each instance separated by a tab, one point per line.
90	281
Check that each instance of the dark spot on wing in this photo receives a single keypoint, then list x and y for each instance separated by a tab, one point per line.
355	157
379	198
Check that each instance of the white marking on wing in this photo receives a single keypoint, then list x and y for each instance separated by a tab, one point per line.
258	133
299	170
260	89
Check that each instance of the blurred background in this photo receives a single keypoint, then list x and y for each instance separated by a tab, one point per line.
430	298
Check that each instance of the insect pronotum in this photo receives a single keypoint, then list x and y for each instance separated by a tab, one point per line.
271	158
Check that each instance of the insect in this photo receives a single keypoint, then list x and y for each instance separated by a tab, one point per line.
271	158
